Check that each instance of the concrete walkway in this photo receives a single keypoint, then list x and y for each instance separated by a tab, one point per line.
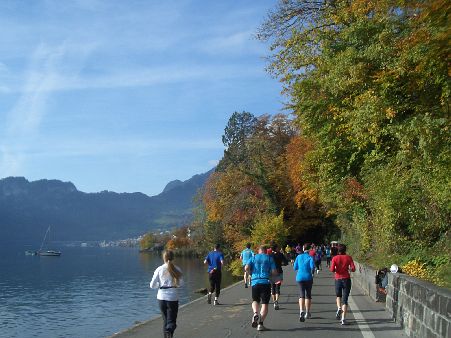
232	318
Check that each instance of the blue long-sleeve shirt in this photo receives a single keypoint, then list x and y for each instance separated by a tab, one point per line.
304	265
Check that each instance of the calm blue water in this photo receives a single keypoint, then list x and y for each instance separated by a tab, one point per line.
87	292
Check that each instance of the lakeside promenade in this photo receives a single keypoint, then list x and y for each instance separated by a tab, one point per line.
232	318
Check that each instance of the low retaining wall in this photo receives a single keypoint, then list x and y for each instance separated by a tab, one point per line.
364	276
420	308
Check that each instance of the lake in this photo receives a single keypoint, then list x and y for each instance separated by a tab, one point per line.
87	292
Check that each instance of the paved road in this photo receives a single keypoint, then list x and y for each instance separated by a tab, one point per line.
232	318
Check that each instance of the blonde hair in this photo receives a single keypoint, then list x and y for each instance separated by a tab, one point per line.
168	257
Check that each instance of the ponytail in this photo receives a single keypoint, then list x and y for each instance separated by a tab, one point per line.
168	257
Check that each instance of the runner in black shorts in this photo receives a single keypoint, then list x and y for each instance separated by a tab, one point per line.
341	265
261	267
261	293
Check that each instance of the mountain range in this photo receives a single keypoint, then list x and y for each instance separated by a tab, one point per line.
28	208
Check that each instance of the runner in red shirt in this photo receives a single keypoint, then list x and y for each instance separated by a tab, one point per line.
341	264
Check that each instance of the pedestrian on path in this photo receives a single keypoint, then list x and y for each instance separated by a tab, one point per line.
305	268
298	249
276	281
215	261
328	256
289	253
318	256
261	267
341	265
246	256
167	278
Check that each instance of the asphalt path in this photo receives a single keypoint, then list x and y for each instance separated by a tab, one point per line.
232	318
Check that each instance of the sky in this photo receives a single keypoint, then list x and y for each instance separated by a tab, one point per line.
127	95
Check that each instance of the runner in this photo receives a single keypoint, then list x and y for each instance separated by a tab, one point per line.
261	267
246	256
328	253
305	268
215	261
167	278
341	264
298	249
289	253
318	256
276	281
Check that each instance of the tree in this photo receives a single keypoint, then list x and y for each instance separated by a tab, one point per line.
147	241
368	82
270	228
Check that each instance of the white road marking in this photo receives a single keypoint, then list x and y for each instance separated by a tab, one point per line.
361	323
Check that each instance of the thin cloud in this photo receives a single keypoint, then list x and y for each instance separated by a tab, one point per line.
144	76
24	119
105	147
235	43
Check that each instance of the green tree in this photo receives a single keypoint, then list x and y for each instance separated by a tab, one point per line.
147	241
270	228
368	82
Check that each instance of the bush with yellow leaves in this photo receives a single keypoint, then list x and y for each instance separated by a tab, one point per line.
419	269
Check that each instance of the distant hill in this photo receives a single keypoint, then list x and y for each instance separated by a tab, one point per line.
28	208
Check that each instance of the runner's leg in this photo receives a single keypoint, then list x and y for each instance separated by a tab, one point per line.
218	284
308	297
172	310
346	292
266	295
164	313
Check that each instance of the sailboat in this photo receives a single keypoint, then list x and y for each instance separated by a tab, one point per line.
48	252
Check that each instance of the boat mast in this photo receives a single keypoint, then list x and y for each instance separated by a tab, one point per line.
45	236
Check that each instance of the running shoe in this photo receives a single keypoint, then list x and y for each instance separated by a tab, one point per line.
260	327
343	322
309	315
276	306
338	314
302	317
255	320
209	298
245	285
216	302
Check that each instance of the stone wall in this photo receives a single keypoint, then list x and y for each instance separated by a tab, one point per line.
420	308
364	276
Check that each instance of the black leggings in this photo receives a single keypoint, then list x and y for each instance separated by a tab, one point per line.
169	310
342	289
215	282
306	289
275	289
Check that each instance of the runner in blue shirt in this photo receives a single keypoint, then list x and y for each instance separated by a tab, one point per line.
328	256
305	268
215	261
261	266
246	255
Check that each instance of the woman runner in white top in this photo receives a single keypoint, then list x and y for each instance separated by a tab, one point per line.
167	278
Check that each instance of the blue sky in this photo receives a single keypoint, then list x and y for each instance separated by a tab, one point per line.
126	95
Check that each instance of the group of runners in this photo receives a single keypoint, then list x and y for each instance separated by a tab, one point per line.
263	273
318	252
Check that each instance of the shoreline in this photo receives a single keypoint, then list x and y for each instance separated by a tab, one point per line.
137	326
